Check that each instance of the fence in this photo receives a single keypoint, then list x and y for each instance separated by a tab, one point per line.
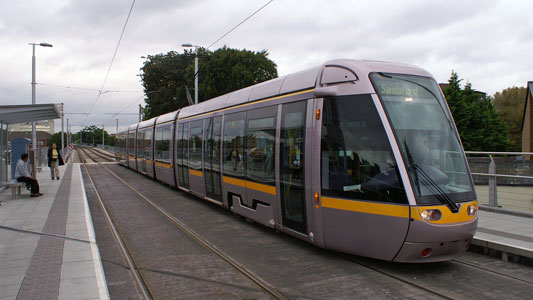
503	179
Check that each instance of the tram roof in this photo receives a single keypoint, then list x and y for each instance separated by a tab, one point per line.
331	73
171	116
147	123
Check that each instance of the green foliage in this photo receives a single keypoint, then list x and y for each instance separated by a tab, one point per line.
479	124
56	138
510	105
166	76
92	135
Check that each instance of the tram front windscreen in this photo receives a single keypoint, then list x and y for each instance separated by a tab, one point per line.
427	137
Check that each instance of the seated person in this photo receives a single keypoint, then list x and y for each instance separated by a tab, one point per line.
23	175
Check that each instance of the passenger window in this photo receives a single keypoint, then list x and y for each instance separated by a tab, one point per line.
148	143
140	144
234	144
182	157
195	145
260	144
158	140
131	143
162	144
165	144
357	161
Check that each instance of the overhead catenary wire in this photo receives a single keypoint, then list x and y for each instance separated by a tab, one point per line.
86	89
112	59
235	27
232	29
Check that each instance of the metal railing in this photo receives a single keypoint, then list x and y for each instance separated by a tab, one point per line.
492	180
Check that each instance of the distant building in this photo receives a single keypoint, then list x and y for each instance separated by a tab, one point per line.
44	129
527	121
45	126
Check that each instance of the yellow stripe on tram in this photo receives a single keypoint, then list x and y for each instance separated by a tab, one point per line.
196	173
401	211
251	185
163	165
447	216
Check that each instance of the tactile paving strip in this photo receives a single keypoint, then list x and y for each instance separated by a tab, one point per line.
41	280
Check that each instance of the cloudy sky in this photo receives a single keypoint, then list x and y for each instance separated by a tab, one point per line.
489	43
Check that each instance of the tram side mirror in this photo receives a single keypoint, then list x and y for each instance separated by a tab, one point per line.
327	91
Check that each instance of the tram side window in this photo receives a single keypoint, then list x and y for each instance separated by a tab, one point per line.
260	144
148	143
158	139
195	145
181	154
162	144
233	155
140	142
130	142
356	158
165	144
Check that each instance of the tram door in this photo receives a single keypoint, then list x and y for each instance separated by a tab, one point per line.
196	174
141	161
292	160
212	158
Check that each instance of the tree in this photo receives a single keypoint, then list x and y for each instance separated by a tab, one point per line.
510	105
166	76
56	138
479	124
92	135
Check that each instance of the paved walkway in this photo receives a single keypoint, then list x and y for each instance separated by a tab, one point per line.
47	244
48	249
506	233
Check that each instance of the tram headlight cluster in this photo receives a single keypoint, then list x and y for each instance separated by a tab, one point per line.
431	214
472	210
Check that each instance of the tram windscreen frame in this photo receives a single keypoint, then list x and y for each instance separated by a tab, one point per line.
427	138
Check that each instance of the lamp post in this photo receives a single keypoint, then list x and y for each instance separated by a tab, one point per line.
195	70
33	125
62	131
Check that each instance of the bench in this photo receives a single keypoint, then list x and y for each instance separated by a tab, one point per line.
15	188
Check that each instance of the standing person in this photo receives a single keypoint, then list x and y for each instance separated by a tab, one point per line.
54	161
23	175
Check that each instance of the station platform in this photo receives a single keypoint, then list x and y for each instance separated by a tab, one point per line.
48	248
47	243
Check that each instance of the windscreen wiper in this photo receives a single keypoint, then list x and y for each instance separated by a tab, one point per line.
440	194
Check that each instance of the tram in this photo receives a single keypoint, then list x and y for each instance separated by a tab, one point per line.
361	157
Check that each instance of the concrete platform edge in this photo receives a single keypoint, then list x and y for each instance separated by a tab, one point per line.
98	268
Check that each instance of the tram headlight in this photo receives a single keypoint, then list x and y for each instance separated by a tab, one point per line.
431	214
472	210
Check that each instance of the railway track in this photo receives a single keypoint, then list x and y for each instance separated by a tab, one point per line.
93	155
432	288
137	271
454	266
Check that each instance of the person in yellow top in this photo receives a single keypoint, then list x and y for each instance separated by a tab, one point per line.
54	161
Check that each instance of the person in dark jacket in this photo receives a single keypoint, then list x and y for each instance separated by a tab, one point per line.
54	161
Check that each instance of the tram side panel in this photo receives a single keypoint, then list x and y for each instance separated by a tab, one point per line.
364	205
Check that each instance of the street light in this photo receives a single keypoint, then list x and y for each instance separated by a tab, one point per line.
33	125
195	70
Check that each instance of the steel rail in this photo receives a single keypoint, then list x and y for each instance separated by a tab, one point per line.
490	271
126	254
409	282
256	279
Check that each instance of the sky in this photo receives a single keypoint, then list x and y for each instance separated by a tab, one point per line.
488	43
